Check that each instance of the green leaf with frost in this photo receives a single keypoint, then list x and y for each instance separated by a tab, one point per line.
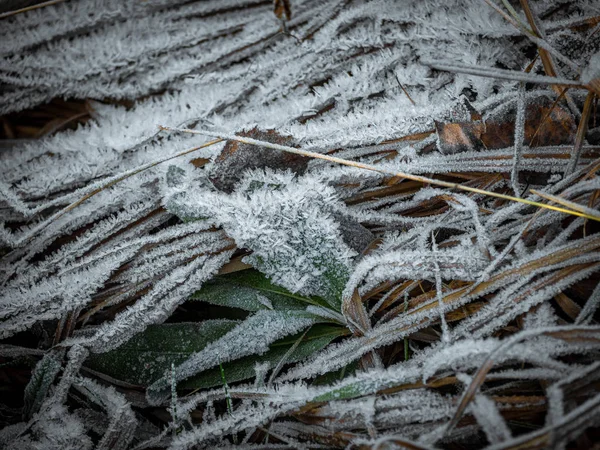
176	177
367	385
177	183
341	393
332	377
176	205
292	231
317	338
149	355
251	337
251	290
42	378
145	357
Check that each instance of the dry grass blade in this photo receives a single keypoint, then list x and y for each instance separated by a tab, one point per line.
29	8
549	65
567	203
547	115
504	74
358	321
583	334
354	310
571	251
581	131
541	43
380	170
550	436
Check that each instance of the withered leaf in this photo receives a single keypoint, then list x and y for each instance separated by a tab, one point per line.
546	123
456	137
237	157
282	9
355	235
459	137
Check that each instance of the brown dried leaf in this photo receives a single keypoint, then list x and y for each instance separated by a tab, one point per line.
546	124
282	9
237	157
359	323
354	310
459	137
569	307
356	236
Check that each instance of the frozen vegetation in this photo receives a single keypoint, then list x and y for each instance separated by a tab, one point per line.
169	289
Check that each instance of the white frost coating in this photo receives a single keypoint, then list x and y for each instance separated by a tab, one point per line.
418	406
155	306
587	312
54	428
512	302
592	71
519	136
400	409
287	222
76	354
201	437
50	298
463	355
332	84
463	263
489	418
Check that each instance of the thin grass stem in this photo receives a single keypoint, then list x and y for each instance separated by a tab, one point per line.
384	171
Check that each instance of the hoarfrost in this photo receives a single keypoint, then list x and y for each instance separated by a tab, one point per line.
89	226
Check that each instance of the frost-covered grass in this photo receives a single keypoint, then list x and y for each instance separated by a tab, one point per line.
433	284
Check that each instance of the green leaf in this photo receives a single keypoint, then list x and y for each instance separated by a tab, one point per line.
335	277
145	357
252	291
342	393
252	337
359	388
41	379
336	375
148	356
330	283
317	338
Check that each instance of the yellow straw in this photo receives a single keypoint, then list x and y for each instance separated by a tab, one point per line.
360	165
